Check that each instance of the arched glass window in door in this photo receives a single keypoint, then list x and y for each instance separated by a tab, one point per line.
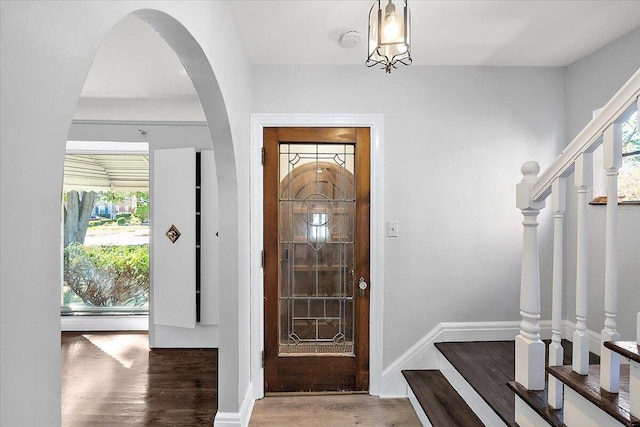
317	211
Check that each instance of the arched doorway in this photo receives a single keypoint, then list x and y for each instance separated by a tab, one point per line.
47	49
209	93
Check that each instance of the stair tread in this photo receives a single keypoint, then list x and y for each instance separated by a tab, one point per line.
488	366
439	400
628	349
588	386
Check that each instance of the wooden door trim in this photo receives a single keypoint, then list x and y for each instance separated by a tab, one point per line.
375	123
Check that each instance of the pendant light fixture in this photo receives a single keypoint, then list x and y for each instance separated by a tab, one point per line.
389	34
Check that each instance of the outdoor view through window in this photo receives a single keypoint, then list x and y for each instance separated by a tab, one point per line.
629	178
106	234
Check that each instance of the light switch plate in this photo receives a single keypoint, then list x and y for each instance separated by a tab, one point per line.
392	228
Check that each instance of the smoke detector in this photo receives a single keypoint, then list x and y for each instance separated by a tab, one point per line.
350	39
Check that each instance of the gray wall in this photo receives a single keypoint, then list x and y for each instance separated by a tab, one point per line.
454	141
591	82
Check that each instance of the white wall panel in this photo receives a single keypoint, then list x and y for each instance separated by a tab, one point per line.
174	276
209	280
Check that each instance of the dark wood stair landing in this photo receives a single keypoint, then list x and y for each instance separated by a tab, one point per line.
439	400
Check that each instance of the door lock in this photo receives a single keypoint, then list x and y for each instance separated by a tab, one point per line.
362	285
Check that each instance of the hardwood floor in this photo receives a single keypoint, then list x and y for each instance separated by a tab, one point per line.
340	410
113	379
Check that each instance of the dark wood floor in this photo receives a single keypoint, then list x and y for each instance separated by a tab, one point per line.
114	379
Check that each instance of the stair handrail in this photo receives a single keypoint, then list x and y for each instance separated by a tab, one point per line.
531	193
619	107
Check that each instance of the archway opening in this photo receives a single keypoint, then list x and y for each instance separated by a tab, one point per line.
104	115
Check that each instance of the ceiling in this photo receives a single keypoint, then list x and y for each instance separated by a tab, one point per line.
450	32
133	62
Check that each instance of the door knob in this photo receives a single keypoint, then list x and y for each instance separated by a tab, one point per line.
362	284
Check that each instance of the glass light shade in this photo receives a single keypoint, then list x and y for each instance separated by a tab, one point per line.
389	34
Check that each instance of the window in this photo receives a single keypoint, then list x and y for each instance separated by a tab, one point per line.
629	177
629	172
105	230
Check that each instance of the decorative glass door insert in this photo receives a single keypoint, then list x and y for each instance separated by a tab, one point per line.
317	204
316	251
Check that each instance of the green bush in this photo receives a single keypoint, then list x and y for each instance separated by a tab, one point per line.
125	215
122	221
99	222
106	276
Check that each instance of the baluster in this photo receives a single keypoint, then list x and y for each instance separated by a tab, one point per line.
556	352
634	380
529	348
610	361
583	177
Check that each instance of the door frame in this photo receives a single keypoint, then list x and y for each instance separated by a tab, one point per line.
375	123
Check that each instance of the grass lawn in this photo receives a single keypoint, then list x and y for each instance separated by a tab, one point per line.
105	230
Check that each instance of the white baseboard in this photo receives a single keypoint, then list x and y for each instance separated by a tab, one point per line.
568	328
104	323
237	419
424	355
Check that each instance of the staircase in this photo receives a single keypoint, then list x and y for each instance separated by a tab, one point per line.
549	389
590	395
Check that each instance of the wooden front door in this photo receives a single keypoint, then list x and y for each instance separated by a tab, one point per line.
316	246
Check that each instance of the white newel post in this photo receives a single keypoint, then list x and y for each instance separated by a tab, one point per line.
609	360
556	352
583	178
529	348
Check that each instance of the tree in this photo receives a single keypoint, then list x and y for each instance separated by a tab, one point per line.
76	216
142	205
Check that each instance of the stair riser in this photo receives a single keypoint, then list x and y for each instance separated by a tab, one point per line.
527	417
634	384
579	412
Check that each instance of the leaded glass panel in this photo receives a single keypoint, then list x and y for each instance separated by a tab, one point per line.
317	211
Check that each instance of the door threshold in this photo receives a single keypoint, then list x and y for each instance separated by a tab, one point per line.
313	393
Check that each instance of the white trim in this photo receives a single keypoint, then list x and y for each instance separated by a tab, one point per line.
104	323
237	419
107	147
140	122
375	123
424	355
417	408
